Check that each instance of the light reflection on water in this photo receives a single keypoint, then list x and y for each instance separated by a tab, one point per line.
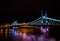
16	35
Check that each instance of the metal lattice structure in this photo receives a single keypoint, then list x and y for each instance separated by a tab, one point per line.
43	20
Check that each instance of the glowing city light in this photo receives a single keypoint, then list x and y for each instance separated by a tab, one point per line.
24	35
20	33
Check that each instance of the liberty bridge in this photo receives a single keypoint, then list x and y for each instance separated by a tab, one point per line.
41	21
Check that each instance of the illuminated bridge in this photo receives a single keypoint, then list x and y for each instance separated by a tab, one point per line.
43	20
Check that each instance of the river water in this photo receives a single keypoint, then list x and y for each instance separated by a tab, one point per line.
16	35
21	35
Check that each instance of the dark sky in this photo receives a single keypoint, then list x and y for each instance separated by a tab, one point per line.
27	10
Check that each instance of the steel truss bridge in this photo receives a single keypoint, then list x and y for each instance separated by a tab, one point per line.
43	20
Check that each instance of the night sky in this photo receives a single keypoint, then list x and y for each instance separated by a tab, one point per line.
27	10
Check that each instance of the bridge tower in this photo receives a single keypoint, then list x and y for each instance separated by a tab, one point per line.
14	24
43	19
44	29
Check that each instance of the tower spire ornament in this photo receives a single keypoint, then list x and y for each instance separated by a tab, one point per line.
41	12
45	13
